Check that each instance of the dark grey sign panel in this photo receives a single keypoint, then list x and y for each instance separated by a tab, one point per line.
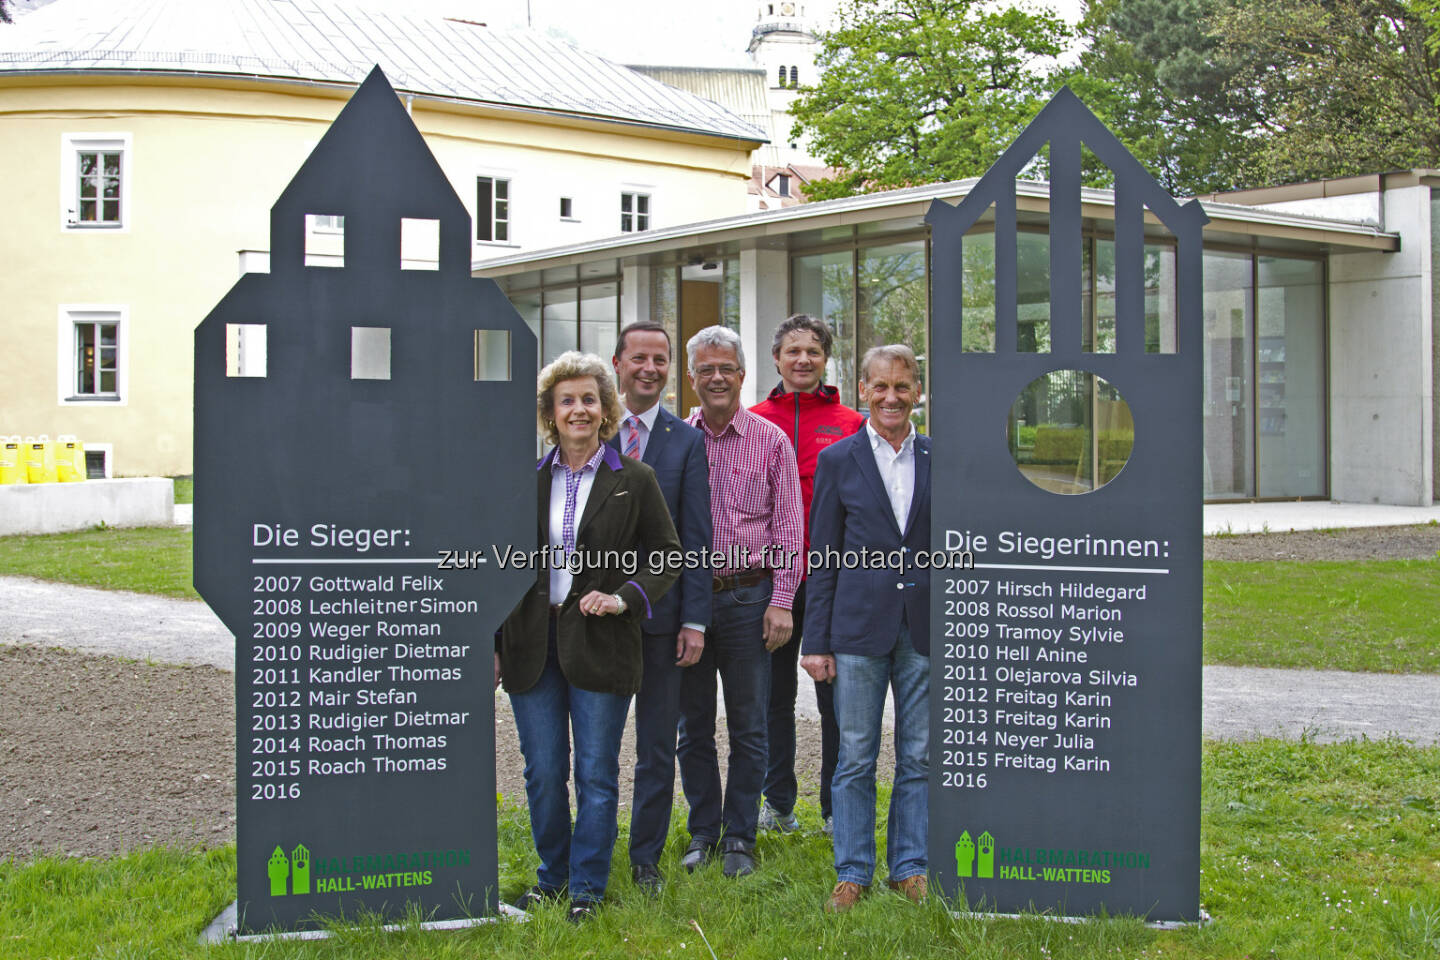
1065	702
360	446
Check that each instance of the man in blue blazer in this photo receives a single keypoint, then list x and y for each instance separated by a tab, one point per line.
675	635
867	626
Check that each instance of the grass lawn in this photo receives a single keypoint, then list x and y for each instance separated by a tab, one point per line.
1375	615
184	489
144	559
1308	852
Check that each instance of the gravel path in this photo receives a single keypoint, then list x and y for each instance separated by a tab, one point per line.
132	697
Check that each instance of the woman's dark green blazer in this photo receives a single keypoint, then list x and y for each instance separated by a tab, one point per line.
625	511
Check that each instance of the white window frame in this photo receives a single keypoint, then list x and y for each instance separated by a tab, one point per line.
633	196
496	177
72	315
71	146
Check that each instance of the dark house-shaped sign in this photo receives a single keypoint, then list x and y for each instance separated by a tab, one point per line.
356	421
1065	703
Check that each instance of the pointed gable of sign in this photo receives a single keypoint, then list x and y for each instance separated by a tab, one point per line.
1066	124
373	168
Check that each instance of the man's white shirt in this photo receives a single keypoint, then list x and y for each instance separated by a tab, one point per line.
897	471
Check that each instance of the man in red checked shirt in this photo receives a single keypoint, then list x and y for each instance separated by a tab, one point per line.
755	507
812	417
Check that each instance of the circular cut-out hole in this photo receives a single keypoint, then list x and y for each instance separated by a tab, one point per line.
1070	431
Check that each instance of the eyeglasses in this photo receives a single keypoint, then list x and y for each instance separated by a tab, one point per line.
728	371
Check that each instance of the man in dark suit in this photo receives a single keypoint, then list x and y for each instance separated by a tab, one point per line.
674	636
868	628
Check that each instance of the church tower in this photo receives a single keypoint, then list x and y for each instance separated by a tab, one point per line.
783	45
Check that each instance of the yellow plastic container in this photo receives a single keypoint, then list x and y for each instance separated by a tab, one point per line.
69	459
40	459
12	461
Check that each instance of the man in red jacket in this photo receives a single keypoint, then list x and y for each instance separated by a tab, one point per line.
811	415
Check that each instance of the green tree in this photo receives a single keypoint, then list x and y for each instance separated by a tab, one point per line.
1158	77
916	91
1344	86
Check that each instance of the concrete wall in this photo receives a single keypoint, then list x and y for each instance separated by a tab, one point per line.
58	507
1381	375
206	159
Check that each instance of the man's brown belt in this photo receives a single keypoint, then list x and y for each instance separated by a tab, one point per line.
745	578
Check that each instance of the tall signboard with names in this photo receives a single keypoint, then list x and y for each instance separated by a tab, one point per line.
1065	694
354	413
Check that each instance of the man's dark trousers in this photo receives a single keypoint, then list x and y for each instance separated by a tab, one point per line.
676	452
781	789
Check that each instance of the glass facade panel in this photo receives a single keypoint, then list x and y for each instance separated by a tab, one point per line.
893	303
1032	256
665	310
1228	376
1290	383
561	329
599	317
977	293
1098	335
823	285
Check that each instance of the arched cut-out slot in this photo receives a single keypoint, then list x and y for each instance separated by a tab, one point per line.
1070	432
246	353
369	353
419	244
492	355
324	240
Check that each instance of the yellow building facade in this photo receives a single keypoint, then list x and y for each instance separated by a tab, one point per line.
135	192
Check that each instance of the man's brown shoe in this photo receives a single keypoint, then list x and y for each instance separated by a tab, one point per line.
844	896
915	888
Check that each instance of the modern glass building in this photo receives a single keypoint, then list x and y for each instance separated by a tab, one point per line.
1320	347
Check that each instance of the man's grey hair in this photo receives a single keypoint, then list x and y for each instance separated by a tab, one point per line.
897	352
716	336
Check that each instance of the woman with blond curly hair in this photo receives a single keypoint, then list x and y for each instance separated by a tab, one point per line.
570	653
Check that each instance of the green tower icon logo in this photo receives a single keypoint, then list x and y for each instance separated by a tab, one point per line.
300	870
278	869
986	867
965	856
966	864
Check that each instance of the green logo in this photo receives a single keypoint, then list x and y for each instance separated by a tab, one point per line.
965	865
296	869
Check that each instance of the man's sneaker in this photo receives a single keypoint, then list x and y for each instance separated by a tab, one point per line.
829	828
582	910
844	896
772	819
537	896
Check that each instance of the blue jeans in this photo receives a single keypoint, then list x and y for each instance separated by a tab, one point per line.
544	717
735	650
860	684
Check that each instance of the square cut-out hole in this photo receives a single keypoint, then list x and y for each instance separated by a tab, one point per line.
419	244
245	350
492	354
324	240
369	353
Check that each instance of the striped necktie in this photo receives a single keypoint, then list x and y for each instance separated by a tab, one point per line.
632	442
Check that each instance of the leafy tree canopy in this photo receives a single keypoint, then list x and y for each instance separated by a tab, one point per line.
915	91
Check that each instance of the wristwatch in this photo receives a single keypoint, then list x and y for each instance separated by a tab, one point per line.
619	600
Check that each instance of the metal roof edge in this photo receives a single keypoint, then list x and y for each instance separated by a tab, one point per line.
1035	189
343	85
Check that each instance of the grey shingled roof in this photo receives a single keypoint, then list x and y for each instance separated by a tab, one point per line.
338	41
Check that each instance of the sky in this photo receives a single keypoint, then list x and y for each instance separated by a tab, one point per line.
709	33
